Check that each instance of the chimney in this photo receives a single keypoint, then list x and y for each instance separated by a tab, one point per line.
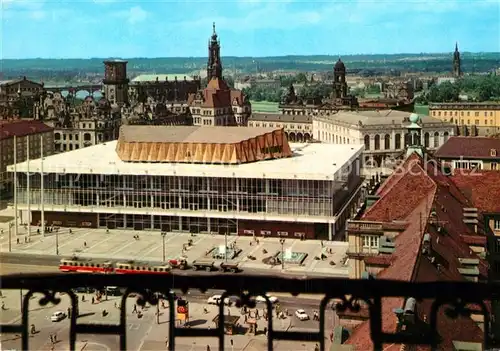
471	218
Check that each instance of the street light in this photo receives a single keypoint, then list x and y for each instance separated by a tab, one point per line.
10	235
282	242
57	242
163	235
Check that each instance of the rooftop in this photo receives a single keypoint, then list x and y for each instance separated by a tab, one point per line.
21	128
162	77
470	147
309	161
415	190
189	134
378	117
479	187
280	117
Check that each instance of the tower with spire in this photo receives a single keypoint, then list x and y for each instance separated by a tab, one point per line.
214	64
457	65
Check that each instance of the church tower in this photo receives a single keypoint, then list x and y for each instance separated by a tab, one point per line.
214	64
457	65
116	82
339	81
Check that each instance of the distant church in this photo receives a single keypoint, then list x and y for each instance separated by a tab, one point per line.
457	64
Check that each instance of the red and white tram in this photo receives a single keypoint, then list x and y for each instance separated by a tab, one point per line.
85	265
133	267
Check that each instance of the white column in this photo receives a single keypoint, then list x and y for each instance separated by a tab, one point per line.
208	197
42	188
28	183
16	214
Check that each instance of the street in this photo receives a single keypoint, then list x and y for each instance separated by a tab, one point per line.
142	333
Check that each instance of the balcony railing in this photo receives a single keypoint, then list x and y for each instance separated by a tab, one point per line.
345	295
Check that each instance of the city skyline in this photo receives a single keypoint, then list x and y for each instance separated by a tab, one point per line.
109	28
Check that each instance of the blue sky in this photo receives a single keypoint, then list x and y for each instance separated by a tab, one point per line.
163	28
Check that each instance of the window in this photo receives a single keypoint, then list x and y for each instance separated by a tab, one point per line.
282	233
370	242
265	232
496	224
468	164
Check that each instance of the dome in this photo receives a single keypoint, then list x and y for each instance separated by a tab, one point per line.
339	66
414	118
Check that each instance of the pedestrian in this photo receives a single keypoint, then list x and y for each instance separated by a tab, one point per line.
316	348
208	347
135	309
69	312
51	339
166	342
85	244
331	336
93	300
55	338
18	240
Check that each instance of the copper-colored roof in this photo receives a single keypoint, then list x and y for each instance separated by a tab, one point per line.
22	128
482	187
470	147
410	194
196	144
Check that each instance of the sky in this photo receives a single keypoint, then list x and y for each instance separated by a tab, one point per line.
168	28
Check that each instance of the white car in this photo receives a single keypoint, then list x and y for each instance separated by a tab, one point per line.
215	300
272	299
302	315
58	316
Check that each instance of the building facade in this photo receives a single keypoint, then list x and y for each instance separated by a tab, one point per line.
479	153
17	97
470	118
218	104
308	192
298	128
14	135
384	133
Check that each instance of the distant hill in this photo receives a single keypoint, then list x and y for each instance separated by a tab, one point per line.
471	62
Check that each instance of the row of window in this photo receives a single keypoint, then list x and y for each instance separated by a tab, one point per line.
455	113
397	141
462	121
496	225
278	125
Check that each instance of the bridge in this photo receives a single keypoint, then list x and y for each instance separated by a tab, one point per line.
90	88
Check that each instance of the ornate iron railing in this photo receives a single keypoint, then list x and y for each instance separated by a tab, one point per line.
346	294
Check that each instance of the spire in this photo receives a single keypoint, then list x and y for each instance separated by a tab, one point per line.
213	26
456	46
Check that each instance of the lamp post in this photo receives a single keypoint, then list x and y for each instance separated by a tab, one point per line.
225	243
57	243
163	234
10	236
282	242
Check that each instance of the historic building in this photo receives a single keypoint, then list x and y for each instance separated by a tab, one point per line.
418	227
21	140
340	98
218	104
478	153
470	118
219	180
17	97
384	133
298	128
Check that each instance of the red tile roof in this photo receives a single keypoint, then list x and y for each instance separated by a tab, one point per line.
483	187
22	128
410	194
469	147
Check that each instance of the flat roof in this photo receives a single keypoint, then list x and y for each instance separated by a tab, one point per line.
190	134
312	161
380	117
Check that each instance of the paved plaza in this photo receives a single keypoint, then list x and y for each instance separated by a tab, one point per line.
119	245
144	333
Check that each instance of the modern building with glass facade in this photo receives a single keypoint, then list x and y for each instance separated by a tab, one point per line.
290	190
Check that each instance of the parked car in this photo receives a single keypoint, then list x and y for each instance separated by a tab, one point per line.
215	300
302	315
272	299
58	316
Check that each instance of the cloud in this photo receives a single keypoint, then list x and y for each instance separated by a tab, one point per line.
134	15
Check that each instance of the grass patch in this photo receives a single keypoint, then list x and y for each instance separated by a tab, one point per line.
264	106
